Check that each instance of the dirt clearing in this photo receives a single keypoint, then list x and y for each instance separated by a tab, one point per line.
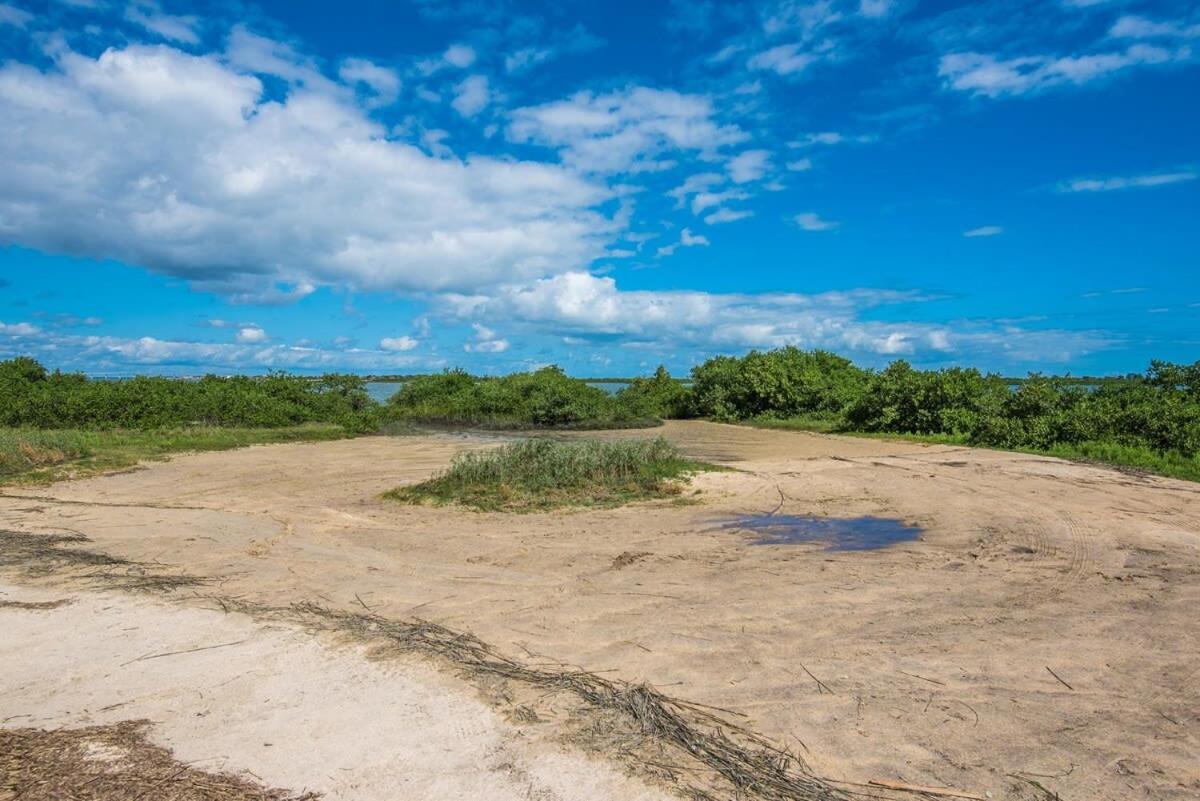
269	704
1039	637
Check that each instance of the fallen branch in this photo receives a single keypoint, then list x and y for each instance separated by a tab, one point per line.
922	788
1060	679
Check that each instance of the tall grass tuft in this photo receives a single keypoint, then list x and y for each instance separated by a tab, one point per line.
536	474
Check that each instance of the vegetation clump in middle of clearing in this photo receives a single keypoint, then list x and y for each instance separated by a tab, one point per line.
537	474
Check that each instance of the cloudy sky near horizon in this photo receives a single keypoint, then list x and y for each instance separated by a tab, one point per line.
404	186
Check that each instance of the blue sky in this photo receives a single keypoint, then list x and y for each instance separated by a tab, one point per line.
402	187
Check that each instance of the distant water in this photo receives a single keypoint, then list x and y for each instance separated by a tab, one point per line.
382	390
836	533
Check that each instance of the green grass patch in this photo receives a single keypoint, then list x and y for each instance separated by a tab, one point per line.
1171	463
42	456
539	474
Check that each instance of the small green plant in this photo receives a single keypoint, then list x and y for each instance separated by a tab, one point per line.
538	474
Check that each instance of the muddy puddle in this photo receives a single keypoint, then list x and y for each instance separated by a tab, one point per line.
835	533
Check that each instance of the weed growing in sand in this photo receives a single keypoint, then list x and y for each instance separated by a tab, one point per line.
538	474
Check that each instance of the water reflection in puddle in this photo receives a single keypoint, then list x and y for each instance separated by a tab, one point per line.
837	533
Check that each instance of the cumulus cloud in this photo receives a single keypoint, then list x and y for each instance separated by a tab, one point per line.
485	341
984	230
18	329
251	335
456	56
686	240
626	130
749	165
811	221
471	96
579	305
397	344
1114	183
182	164
99	354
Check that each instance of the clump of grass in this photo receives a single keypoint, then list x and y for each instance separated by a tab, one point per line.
537	474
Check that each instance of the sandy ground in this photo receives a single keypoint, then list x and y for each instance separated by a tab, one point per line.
933	657
231	695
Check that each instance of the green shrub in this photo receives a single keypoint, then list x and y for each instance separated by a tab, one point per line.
659	396
546	398
781	383
906	401
32	397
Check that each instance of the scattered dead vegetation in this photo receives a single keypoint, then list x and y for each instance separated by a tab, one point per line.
621	718
44	554
111	763
34	605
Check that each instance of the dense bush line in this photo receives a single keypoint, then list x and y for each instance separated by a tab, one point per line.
1151	420
31	397
546	398
1158	411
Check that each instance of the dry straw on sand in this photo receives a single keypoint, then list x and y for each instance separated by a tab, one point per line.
721	755
111	763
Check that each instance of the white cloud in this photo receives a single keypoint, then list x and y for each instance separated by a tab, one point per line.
99	354
18	329
686	240
1134	27
471	96
829	138
984	230
179	163
786	59
382	83
627	130
576	40
727	215
251	335
811	221
149	15
576	305
485	341
876	8
398	343
17	17
456	56
459	55
749	165
708	200
526	57
694	184
989	76
1114	183
799	165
